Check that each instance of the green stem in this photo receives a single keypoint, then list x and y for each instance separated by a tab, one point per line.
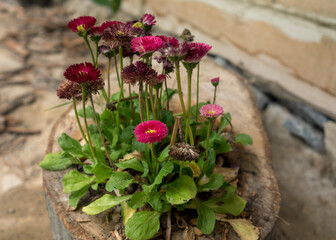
77	118
167	99
108	79
141	101
179	88
85	121
116	66
151	101
156	163
156	101
214	99
146	102
90	49
208	140
99	130
188	128
197	100
121	59
132	106
96	54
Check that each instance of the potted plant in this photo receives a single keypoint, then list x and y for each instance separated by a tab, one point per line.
138	153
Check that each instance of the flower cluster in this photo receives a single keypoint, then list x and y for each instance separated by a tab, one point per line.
139	72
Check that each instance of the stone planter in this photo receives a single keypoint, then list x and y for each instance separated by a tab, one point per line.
257	183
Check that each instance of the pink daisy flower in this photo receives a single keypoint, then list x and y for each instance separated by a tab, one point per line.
215	81
146	45
211	110
151	131
148	19
82	73
82	24
196	51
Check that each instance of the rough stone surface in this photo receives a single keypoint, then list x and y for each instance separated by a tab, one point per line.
330	144
12	97
261	98
10	62
301	129
308	204
10	181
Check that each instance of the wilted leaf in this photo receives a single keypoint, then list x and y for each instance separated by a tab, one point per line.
244	228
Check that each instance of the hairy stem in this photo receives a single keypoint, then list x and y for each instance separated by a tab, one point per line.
108	79
141	101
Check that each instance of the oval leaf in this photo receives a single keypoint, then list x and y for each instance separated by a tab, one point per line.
216	181
71	145
118	180
244	139
206	218
74	180
142	225
55	162
133	163
181	190
104	203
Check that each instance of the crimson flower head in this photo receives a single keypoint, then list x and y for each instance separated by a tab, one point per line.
119	34
196	51
148	19
146	45
211	111
215	81
82	73
139	72
82	25
151	131
176	51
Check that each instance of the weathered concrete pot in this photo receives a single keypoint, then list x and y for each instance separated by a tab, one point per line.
257	182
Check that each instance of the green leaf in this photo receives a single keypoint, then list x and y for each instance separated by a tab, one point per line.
118	180
224	122
167	117
142	225
181	190
104	203
164	154
167	168
54	162
102	172
127	135
77	195
155	201
206	218
138	200
234	205
132	163
95	136
211	162
74	181
244	139
140	147
89	113
65	156
146	168
71	146
216	181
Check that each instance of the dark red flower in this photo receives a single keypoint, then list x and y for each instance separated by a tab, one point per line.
137	72
82	73
196	51
151	131
82	24
119	34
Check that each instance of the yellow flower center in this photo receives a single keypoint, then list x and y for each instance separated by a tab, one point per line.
211	112
81	28
137	25
119	33
150	131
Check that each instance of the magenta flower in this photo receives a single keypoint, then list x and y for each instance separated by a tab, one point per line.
151	131
107	24
82	24
161	78
196	51
211	110
82	73
146	45
215	81
139	72
174	50
148	19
